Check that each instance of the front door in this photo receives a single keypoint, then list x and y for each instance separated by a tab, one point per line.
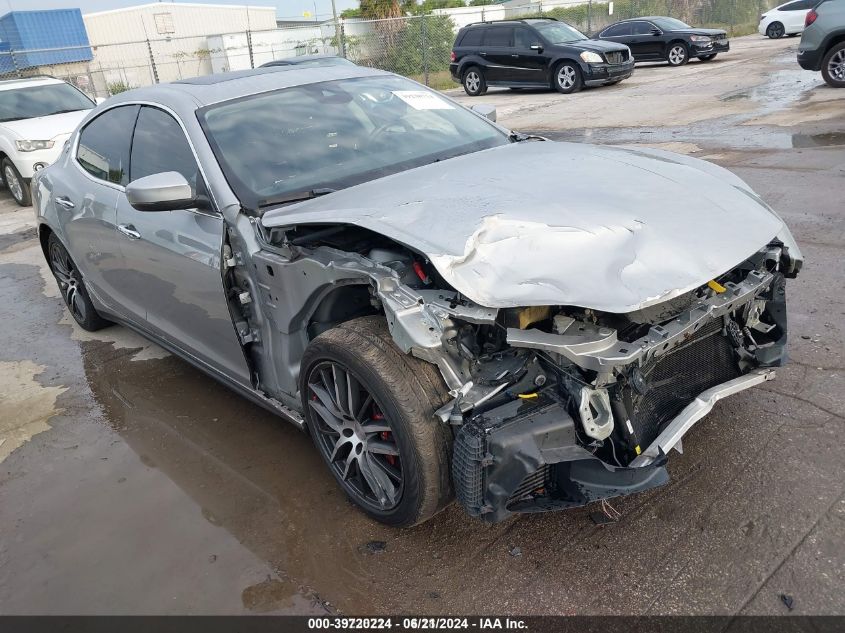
86	197
646	43
172	259
530	66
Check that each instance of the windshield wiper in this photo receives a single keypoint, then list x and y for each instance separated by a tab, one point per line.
296	196
518	137
65	111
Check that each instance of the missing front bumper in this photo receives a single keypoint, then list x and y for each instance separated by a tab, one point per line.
524	456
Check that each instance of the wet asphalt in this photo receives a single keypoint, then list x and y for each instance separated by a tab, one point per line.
131	483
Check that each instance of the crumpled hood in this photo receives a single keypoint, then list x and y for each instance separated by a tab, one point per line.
47	127
545	223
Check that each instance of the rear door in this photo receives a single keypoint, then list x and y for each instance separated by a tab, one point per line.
795	13
85	197
497	51
173	276
621	33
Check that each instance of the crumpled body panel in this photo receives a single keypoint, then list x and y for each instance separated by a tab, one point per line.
544	223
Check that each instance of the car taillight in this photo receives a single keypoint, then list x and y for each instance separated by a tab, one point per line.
811	17
453	57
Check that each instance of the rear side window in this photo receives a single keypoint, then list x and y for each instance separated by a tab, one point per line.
155	131
103	149
472	37
498	36
617	29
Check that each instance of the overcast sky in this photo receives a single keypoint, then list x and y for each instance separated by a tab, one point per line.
290	9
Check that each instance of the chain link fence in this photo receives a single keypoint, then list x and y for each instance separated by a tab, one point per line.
415	46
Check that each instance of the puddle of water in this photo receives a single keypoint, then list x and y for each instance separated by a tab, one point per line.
828	139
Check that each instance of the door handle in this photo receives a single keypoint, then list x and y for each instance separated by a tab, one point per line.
483	54
515	55
65	202
129	231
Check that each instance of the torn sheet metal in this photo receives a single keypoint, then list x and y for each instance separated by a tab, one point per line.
607	228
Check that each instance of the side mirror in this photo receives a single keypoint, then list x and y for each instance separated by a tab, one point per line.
537	47
656	32
161	192
486	110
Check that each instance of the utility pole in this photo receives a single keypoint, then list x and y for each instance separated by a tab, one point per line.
338	31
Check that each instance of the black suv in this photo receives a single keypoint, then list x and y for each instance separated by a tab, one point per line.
535	53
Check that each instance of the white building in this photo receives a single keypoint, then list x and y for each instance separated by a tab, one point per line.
166	41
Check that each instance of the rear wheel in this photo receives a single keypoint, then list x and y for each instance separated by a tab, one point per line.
18	187
72	288
833	66
473	81
369	409
677	55
567	78
775	30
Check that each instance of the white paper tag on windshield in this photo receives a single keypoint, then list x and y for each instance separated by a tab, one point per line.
423	100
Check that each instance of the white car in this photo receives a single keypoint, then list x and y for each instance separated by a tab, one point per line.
37	116
786	19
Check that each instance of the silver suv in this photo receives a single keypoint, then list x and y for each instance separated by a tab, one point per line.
823	42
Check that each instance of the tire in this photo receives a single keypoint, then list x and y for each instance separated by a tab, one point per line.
775	31
707	58
17	186
566	78
473	81
393	430
72	287
833	66
677	54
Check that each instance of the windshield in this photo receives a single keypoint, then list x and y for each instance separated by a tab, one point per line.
670	24
560	32
35	101
336	134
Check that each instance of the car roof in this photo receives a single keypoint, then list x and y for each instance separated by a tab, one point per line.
509	22
644	18
301	59
190	94
22	82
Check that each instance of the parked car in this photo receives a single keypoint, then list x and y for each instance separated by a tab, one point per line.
340	246
786	19
310	60
822	45
534	53
657	38
37	115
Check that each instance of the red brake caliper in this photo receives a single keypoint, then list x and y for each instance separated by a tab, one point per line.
385	435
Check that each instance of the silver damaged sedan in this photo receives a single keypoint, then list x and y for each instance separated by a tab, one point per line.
450	309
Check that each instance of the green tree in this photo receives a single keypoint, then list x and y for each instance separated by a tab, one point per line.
380	9
422	42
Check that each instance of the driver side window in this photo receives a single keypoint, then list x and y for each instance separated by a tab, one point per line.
160	145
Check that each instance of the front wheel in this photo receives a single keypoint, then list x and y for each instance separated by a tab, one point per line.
473	81
775	31
833	66
18	187
567	78
677	54
707	58
369	409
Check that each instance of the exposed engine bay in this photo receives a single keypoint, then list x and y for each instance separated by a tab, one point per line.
552	406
